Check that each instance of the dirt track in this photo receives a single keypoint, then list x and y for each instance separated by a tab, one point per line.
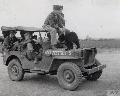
34	85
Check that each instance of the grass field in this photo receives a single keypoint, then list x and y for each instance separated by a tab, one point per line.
101	43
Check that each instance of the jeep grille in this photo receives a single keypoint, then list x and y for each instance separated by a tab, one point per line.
89	56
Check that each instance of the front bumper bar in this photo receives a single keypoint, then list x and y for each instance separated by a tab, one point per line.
95	69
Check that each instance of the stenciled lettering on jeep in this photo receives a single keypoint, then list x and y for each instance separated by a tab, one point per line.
57	52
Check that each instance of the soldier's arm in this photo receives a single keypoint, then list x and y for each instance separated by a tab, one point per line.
25	42
50	20
62	19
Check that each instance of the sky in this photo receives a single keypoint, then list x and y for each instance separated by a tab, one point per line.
94	18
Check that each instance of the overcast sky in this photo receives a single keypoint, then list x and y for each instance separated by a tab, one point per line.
96	18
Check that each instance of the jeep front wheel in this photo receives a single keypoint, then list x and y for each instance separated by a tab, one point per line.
15	70
69	76
94	76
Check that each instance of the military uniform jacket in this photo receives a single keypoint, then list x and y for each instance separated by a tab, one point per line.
55	20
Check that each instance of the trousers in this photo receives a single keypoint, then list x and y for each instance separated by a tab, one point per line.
53	33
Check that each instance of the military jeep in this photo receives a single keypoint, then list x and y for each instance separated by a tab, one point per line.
70	66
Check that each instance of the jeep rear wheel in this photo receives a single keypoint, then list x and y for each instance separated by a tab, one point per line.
69	76
15	70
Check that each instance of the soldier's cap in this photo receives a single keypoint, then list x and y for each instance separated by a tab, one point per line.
57	7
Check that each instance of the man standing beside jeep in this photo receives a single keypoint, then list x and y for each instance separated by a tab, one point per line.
54	22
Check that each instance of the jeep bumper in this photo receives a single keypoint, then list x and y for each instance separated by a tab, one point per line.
95	69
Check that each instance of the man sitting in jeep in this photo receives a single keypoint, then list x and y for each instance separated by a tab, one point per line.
33	48
9	41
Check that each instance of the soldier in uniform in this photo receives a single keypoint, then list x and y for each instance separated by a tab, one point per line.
54	22
10	40
5	33
33	49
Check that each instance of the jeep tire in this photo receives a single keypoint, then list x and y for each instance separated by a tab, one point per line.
94	76
69	76
15	70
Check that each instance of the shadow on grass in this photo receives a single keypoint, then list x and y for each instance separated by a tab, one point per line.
51	81
47	80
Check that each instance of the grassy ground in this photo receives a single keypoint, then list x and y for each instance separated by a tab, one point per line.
101	43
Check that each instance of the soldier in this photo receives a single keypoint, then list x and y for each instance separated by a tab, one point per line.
28	41
5	33
54	22
33	50
10	40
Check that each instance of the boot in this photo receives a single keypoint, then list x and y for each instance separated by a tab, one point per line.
35	68
53	47
36	61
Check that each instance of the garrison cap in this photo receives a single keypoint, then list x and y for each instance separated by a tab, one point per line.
57	7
